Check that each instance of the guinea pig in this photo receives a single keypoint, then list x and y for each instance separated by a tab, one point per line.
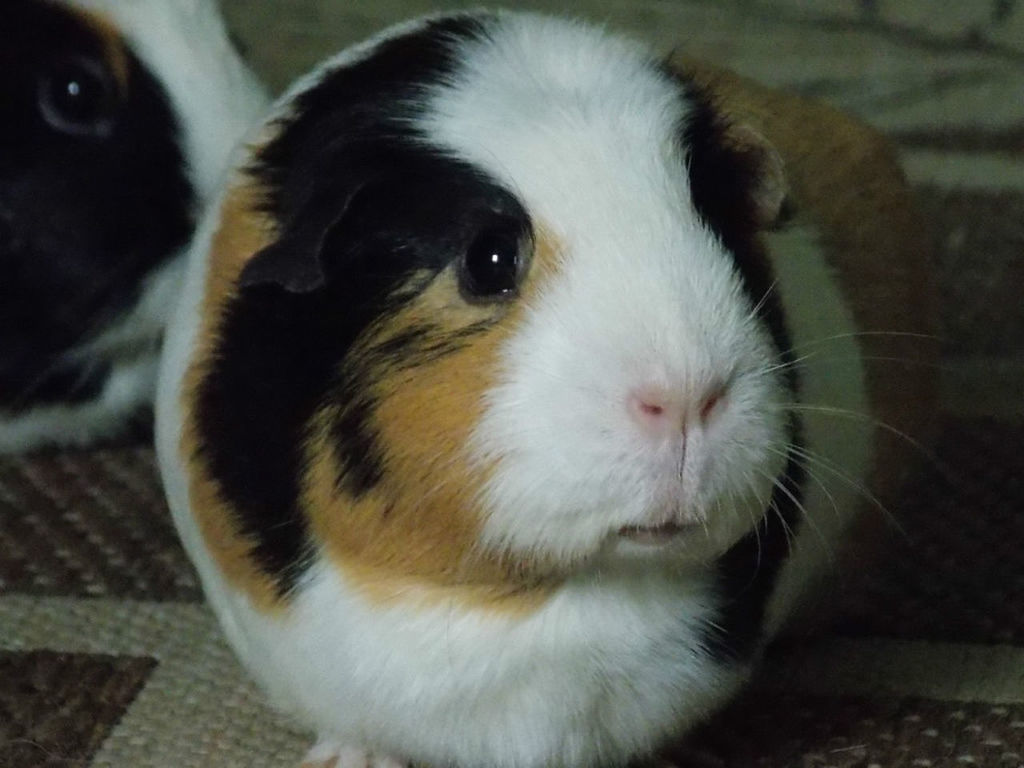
116	119
489	413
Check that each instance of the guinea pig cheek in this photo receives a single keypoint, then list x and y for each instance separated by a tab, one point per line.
418	528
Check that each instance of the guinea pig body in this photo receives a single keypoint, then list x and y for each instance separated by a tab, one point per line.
118	117
484	416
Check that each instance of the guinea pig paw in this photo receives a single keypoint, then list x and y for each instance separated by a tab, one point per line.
331	754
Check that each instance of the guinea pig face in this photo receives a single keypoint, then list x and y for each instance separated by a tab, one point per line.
637	401
508	305
93	191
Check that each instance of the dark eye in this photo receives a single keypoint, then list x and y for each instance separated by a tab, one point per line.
492	266
77	96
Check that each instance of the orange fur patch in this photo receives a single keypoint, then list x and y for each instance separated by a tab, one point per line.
417	533
243	231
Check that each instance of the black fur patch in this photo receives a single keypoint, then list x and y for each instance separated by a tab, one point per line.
368	214
83	218
353	111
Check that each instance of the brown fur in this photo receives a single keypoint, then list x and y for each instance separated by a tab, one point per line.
242	232
843	178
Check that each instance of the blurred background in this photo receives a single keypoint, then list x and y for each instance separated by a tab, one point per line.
110	658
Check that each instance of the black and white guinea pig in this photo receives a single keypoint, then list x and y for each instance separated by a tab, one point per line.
116	120
490	414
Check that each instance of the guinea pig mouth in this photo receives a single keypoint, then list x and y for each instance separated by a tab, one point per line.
656	534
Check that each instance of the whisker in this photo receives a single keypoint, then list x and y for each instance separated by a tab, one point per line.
801	508
824	357
753	314
790	454
828	466
787	531
755	518
829	551
861	334
773	506
866	419
789	363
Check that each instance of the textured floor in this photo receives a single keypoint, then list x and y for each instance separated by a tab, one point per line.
109	658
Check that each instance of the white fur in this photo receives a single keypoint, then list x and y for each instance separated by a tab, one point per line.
185	46
609	665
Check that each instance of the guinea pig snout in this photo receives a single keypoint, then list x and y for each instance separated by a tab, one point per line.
663	413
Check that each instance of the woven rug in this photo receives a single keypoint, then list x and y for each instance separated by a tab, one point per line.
108	656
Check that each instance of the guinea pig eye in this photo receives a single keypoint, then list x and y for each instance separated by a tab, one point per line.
76	96
492	265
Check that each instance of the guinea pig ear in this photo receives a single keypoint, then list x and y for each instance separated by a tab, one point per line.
770	192
290	263
294	261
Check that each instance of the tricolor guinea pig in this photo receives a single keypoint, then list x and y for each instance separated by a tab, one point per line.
490	415
116	119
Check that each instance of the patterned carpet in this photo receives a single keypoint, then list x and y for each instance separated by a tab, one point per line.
108	656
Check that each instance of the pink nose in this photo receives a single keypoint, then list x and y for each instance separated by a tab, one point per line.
661	411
